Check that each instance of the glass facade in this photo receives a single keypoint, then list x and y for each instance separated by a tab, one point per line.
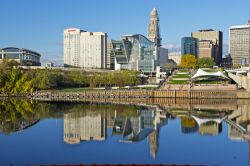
23	56
118	52
141	53
134	52
189	45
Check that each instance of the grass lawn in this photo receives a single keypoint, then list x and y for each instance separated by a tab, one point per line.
181	76
178	82
183	70
75	89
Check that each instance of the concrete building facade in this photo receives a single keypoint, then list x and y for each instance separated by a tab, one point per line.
239	44
207	49
175	56
153	28
216	38
85	49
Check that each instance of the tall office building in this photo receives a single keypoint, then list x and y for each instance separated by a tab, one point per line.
85	49
189	45
135	52
207	49
153	28
110	56
72	46
239	44
216	37
162	56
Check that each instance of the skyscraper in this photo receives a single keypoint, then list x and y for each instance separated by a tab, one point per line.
216	38
153	28
134	52
207	49
239	44
72	46
189	45
85	49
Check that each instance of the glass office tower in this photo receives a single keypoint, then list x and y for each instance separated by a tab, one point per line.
189	45
134	52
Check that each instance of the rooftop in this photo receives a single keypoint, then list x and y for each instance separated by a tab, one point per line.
239	26
206	30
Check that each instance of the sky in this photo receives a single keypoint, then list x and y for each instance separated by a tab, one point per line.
38	25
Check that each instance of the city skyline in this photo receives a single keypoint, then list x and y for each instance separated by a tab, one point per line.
40	28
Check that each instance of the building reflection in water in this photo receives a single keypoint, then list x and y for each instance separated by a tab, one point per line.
239	124
84	126
145	123
205	122
92	125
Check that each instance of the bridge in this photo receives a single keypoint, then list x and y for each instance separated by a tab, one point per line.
241	77
238	123
201	121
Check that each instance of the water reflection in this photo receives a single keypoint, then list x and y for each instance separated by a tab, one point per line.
84	126
130	124
16	115
205	122
239	123
133	126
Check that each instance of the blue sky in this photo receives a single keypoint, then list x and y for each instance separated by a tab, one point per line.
38	24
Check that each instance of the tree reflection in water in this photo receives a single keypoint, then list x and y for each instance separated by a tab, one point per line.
132	123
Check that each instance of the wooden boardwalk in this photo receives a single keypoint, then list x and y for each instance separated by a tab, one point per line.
134	94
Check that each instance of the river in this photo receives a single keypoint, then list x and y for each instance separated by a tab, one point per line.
194	132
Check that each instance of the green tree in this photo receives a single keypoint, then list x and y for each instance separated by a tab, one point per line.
24	84
171	65
205	62
188	61
10	80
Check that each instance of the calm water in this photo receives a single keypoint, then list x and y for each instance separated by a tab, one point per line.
175	132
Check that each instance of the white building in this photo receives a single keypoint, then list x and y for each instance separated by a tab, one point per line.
84	126
239	44
85	49
175	56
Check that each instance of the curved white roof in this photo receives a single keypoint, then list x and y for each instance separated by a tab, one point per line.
202	73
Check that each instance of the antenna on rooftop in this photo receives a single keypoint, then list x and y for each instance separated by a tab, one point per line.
249	17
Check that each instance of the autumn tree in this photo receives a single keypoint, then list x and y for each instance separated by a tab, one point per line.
188	61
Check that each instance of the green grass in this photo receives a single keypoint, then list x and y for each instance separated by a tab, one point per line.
181	76
178	82
183	70
75	89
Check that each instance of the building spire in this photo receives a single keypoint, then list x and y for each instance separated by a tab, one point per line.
153	28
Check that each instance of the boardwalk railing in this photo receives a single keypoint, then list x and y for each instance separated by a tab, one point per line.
134	94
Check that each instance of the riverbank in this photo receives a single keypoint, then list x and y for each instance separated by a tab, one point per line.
129	94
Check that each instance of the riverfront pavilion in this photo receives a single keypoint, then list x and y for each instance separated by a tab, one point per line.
213	76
